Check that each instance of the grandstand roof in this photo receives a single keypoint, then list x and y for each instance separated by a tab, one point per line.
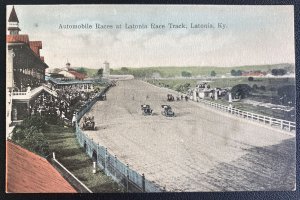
63	82
27	172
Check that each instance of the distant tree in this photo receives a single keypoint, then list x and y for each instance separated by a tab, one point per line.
82	70
239	73
274	72
56	70
250	78
186	74
233	72
236	73
100	72
278	72
242	90
124	69
282	72
213	73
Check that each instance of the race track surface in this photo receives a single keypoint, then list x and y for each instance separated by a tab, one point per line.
200	149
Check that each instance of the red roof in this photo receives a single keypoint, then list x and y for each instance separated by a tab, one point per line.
27	172
35	46
77	74
251	73
17	39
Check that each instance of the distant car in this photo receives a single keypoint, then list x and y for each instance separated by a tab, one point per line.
146	110
167	111
88	123
170	97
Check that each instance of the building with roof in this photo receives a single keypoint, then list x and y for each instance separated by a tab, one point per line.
70	73
27	172
25	71
254	73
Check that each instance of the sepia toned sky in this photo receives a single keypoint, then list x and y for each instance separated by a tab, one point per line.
253	35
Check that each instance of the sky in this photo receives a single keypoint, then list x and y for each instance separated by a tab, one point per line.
252	35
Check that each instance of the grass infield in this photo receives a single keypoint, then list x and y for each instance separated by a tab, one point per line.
67	150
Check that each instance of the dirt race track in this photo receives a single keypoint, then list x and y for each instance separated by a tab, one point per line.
198	150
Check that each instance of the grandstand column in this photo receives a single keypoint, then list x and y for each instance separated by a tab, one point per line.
216	95
9	86
229	97
28	108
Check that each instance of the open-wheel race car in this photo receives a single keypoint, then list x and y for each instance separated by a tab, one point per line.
88	123
146	110
167	111
170	97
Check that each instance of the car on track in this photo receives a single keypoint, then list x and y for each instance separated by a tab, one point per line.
167	111
146	110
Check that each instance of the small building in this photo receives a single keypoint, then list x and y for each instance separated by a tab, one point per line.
70	73
67	74
254	73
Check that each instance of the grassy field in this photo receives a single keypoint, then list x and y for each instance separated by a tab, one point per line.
172	71
267	96
269	83
63	142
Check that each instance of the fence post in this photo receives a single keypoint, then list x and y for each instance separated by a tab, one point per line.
115	166
53	155
94	168
105	162
143	182
127	177
98	153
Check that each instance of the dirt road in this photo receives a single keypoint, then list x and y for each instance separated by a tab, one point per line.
198	150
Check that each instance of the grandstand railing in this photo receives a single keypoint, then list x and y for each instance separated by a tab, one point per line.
274	122
110	164
20	93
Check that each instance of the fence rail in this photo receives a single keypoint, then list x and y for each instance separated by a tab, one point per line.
109	163
274	122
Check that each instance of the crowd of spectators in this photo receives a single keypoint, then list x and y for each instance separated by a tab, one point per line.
23	81
68	100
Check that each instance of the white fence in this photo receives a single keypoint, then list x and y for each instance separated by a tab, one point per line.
110	164
279	123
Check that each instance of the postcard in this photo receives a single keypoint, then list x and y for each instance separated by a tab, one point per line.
150	98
